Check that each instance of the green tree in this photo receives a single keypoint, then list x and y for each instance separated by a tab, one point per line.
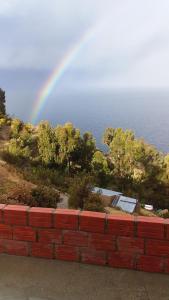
133	159
68	140
100	167
46	143
79	191
85	152
2	102
22	144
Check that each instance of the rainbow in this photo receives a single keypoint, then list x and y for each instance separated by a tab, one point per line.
57	74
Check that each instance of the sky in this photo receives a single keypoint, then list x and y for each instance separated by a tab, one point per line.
129	48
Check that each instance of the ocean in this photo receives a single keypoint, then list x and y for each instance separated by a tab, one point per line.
145	112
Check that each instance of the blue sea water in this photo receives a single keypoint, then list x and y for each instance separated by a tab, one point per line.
145	112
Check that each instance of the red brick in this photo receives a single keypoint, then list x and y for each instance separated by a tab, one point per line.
93	257
75	238
5	232
121	260
150	227
15	214
92	221
42	250
150	263
120	225
100	241
130	245
167	265
67	253
66	219
40	217
50	236
16	248
2	206
167	226
24	234
157	247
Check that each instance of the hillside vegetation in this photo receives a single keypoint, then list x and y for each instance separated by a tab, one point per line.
61	158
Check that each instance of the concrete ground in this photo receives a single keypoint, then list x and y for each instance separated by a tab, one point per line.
38	279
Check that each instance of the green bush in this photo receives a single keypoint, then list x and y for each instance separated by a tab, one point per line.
94	203
16	127
79	191
44	197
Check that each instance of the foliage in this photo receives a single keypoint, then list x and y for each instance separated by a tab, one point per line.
108	136
43	196
58	156
79	191
86	150
46	143
133	159
68	140
2	103
94	203
2	121
16	127
101	168
23	144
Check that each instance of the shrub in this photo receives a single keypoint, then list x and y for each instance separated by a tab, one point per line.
16	127
44	197
94	203
2	121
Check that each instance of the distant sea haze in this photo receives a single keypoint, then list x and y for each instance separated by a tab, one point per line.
146	113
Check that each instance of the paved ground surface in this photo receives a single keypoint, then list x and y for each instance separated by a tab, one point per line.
37	279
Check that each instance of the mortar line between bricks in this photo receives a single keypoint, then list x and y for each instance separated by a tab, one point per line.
135	226
78	220
116	244
165	229
3	219
12	228
106	223
53	218
27	216
145	242
37	235
62	236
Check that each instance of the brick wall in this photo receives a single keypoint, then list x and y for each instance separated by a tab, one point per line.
138	243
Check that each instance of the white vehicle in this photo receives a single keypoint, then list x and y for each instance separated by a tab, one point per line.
148	207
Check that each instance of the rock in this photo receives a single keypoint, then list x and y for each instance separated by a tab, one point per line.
164	212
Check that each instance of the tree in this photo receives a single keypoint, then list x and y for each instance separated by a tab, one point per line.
22	143
79	191
86	150
2	102
133	159
100	167
68	140
47	143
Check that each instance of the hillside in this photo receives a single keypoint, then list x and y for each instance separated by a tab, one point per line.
19	181
11	181
13	187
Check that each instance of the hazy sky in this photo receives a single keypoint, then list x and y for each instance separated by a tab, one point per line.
130	47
